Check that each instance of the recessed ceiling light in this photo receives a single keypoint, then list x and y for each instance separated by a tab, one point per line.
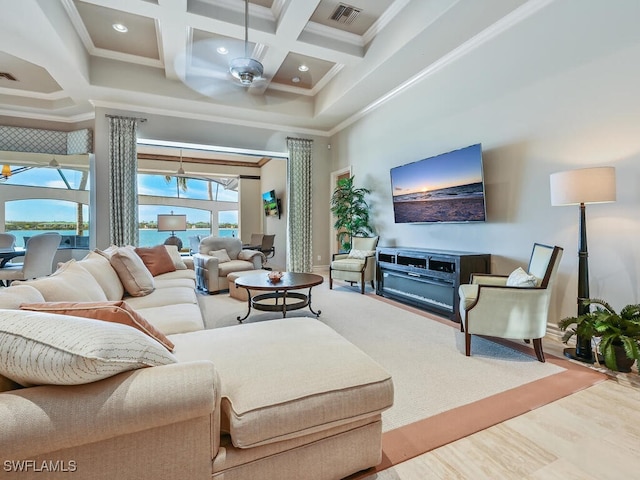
222	50
303	68
119	27
295	79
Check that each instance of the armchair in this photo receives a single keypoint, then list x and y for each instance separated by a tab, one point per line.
514	306
219	256
358	265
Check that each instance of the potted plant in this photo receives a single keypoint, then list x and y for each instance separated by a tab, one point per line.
619	333
351	210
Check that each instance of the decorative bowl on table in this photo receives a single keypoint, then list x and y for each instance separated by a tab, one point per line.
274	277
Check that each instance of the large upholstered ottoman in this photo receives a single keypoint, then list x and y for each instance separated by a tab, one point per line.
241	293
293	392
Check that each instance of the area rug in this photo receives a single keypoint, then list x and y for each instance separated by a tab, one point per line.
440	394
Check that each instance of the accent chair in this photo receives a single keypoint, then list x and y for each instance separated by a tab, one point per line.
38	259
514	306
359	265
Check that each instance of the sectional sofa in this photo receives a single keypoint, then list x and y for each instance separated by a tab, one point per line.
145	392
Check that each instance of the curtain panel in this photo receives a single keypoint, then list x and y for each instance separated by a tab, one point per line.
299	205
123	185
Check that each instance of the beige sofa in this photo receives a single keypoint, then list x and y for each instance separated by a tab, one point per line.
220	256
282	399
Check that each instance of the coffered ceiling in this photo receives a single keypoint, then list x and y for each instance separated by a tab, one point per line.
59	59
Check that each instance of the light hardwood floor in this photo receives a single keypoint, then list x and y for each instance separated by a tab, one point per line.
591	435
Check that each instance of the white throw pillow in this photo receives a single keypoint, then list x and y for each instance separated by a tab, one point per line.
221	255
361	254
520	278
47	349
175	256
71	282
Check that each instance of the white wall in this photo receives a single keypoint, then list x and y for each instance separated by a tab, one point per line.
274	177
557	93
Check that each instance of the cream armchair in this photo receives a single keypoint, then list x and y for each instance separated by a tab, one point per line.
359	265
219	256
514	306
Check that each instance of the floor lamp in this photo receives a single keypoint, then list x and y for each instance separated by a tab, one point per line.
579	187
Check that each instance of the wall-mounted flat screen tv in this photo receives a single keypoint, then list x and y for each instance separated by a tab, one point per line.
270	203
444	188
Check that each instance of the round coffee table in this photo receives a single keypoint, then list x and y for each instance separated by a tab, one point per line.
283	299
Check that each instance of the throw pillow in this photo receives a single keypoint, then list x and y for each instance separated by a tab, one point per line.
175	256
221	255
520	278
117	312
71	283
11	298
39	348
134	275
100	268
156	259
361	254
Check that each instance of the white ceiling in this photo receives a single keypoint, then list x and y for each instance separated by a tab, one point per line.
67	59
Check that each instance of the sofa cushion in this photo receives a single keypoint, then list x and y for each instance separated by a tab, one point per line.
134	275
116	312
176	257
69	283
15	295
221	255
156	259
329	381
176	318
162	297
226	268
42	348
101	269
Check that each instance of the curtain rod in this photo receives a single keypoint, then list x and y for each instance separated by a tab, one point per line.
128	118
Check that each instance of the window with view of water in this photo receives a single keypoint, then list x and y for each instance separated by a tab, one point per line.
25	218
210	206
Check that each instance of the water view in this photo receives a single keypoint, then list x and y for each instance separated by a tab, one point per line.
148	237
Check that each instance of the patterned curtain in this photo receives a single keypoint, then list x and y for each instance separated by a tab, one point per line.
123	187
299	181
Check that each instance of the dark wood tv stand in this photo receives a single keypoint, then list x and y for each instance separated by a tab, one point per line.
427	279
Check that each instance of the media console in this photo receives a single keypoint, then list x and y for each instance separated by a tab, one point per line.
427	279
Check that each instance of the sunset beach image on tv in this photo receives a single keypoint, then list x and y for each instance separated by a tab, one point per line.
444	188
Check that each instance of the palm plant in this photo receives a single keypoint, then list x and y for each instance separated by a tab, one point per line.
351	210
616	331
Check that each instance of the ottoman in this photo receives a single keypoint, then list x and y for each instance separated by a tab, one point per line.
240	293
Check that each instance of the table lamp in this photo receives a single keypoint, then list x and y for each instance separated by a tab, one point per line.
172	223
579	187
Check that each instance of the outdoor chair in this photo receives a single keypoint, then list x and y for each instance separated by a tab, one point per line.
359	265
514	306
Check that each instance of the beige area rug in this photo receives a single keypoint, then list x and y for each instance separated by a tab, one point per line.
440	394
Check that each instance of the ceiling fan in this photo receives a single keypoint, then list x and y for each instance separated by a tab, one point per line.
201	67
246	69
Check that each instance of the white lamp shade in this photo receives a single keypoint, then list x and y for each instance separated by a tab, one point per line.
584	185
171	223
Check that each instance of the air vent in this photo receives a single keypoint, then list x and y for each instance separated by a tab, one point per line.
8	76
344	14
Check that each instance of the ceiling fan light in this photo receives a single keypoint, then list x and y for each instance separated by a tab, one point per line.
6	170
246	70
54	163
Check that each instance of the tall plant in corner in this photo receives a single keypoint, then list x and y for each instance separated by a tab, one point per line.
351	211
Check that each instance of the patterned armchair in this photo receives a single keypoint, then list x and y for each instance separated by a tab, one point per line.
359	265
